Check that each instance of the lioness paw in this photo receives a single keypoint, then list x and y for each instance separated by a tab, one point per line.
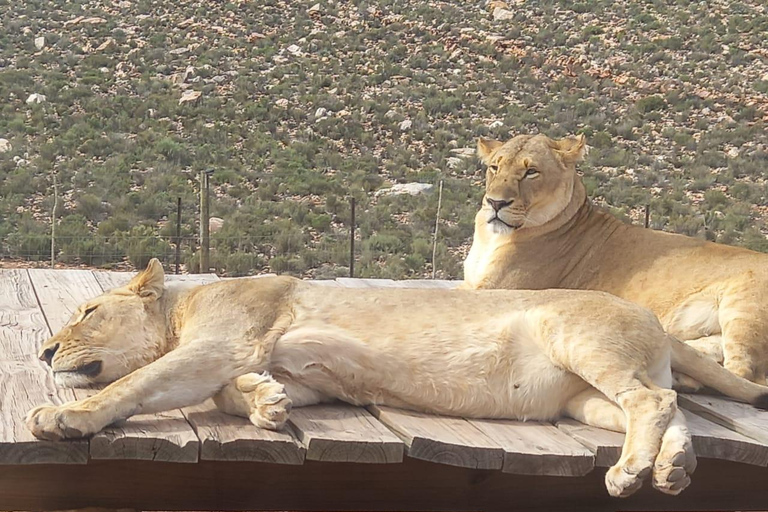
266	398
674	465
54	423
624	480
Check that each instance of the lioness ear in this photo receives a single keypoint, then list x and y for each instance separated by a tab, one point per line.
572	149
149	283
485	147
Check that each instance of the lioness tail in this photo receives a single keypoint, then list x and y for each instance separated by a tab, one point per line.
688	360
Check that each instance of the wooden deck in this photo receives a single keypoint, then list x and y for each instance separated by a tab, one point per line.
331	456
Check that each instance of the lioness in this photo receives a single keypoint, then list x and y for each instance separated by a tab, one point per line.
537	229
492	354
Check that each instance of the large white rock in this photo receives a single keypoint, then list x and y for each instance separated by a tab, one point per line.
40	43
189	96
36	98
413	189
5	145
215	224
406	125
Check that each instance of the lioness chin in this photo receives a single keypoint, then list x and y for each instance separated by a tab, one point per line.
491	354
537	229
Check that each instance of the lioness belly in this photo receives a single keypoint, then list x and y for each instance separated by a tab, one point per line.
454	374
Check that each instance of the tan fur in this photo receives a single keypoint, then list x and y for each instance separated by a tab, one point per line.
559	240
491	354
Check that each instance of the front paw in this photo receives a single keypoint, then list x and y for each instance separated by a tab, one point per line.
54	423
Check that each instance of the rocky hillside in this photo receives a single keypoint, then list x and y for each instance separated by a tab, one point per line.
299	106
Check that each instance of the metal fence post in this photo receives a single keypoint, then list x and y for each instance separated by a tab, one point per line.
352	239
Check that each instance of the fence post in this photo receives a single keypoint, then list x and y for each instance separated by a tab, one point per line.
437	225
352	239
647	216
53	218
178	233
205	264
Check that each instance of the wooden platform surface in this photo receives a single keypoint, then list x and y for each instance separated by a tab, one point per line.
35	302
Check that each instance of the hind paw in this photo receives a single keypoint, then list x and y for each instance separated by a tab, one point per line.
269	406
673	467
624	480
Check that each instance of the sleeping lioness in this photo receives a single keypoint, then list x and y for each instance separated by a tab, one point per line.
491	354
537	229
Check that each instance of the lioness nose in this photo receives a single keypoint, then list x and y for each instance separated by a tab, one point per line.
48	354
497	204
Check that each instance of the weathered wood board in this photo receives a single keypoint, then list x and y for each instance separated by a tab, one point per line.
535	448
444	440
343	433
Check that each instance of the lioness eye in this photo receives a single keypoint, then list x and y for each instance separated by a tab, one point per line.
89	311
493	168
531	173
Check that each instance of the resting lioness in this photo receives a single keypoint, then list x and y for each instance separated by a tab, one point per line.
537	229
490	354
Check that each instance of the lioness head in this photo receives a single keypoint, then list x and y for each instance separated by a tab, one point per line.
530	179
111	335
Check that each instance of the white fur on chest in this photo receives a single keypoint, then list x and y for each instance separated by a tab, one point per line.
482	254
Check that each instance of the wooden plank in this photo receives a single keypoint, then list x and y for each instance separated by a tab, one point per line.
444	440
741	418
710	440
536	448
605	444
427	283
230	438
349	282
24	383
109	280
714	441
166	436
325	282
343	433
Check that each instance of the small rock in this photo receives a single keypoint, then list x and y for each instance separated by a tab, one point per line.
36	98
413	189
106	44
219	79
20	161
179	51
501	14
282	102
40	43
5	145
189	96
215	224
733	152
320	112
315	9
453	162
495	124
406	125
294	49
464	152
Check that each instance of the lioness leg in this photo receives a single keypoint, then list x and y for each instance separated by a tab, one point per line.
712	347
185	376
258	397
591	407
264	400
744	326
676	460
648	410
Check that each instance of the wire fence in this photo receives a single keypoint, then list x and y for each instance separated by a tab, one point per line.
229	255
